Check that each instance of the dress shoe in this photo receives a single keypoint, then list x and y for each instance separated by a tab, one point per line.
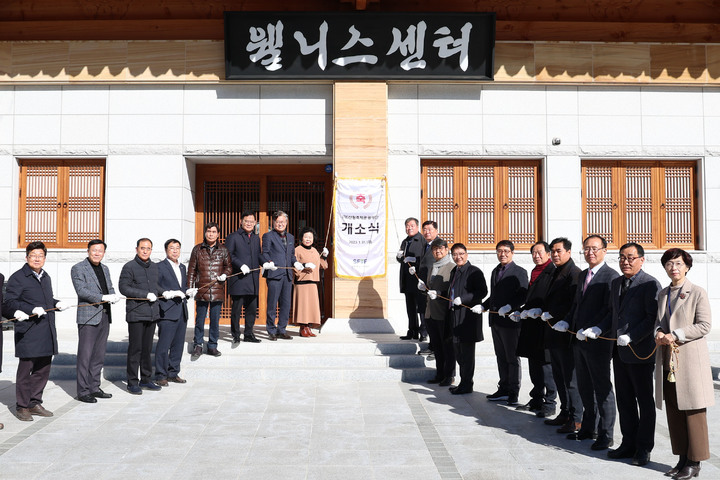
24	414
176	379
197	351
150	386
214	352
435	380
162	383
134	389
676	469
623	451
447	381
690	470
545	411
425	351
409	336
570	427
558	421
304	332
272	337
602	443
497	396
641	458
251	339
423	338
460	390
512	399
310	332
582	435
40	411
284	336
236	339
531	406
101	394
87	398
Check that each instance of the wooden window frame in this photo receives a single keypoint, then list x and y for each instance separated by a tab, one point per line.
500	199
63	192
658	201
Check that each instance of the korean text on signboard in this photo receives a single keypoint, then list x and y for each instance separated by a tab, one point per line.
302	45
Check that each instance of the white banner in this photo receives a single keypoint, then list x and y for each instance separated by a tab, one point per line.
360	227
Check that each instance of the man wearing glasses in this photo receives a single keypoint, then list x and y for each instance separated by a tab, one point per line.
29	299
590	318
634	310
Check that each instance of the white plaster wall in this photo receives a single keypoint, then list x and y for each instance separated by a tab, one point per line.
501	121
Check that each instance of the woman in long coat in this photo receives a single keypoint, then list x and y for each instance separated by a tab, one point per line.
684	319
306	300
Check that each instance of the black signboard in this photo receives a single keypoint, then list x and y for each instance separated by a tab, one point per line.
316	45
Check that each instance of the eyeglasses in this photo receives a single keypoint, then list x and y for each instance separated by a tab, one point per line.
503	251
630	260
459	254
592	249
671	265
36	257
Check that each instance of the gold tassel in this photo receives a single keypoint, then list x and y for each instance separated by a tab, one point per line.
671	377
673	357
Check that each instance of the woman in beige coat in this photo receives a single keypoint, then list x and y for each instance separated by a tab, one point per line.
306	300
684	320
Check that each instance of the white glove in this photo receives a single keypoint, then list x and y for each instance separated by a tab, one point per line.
298	266
623	340
178	294
534	312
432	294
245	269
20	315
62	306
151	296
108	298
504	310
546	316
39	311
325	252
478	309
311	266
411	270
592	333
523	314
400	254
191	292
561	326
410	260
117	298
421	286
271	266
168	294
580	335
222	277
516	316
457	301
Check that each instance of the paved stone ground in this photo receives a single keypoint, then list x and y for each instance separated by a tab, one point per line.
312	430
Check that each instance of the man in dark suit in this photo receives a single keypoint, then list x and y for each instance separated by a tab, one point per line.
634	311
508	290
29	292
411	252
591	318
278	253
467	287
422	268
557	304
93	284
531	344
172	325
243	286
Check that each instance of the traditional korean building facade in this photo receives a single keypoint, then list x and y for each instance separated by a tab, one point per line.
117	120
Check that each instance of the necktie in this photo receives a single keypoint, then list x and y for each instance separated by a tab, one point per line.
624	288
587	280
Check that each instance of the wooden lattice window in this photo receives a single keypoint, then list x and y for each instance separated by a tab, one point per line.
61	202
651	203
479	203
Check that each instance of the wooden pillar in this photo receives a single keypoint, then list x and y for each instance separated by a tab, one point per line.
360	150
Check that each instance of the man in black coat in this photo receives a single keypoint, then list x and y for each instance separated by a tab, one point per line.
531	344
411	251
422	267
508	290
558	302
172	324
634	311
591	318
467	288
139	280
278	255
243	286
29	299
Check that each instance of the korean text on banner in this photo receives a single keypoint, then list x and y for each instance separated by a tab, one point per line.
360	228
